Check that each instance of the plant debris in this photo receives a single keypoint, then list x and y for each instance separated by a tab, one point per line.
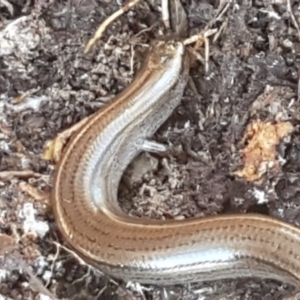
260	155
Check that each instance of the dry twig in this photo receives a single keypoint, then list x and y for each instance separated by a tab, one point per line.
108	21
289	9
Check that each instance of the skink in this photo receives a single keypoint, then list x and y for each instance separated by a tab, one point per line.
86	207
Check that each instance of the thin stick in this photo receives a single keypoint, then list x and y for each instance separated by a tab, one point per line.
131	60
223	11
106	22
289	9
299	84
217	35
196	37
82	262
197	55
165	13
206	56
222	8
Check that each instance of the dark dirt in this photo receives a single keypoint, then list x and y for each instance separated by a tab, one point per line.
47	84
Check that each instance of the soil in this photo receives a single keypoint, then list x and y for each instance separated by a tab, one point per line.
48	84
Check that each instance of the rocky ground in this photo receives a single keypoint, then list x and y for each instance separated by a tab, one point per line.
235	136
